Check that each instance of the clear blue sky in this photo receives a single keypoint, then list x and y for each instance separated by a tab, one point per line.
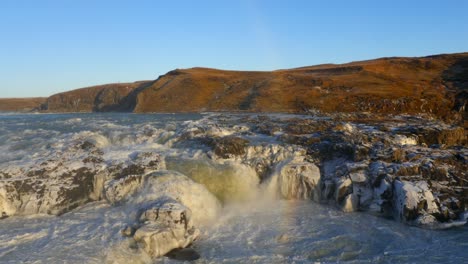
52	46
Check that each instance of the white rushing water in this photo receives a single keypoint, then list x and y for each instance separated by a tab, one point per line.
253	226
284	232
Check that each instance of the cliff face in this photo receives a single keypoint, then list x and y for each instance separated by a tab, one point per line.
21	104
435	84
103	98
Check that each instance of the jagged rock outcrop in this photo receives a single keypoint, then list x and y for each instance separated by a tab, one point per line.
362	163
361	160
390	172
65	177
54	184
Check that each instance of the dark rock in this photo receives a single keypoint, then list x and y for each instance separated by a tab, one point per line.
139	163
128	231
183	254
267	128
449	136
228	147
305	126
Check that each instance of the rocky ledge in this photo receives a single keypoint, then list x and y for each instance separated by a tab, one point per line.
408	168
412	170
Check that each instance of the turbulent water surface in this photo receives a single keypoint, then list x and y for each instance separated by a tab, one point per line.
250	230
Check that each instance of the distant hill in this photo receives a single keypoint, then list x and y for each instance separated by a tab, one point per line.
21	104
436	85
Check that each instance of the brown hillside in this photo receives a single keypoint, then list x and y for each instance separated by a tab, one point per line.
21	104
435	84
102	98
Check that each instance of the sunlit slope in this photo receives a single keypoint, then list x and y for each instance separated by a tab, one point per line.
21	104
436	85
387	85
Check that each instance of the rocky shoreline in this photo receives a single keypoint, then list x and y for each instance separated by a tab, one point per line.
408	168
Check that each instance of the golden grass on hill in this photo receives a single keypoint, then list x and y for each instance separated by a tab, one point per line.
435	85
21	104
387	85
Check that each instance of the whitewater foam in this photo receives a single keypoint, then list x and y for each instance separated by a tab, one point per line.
250	225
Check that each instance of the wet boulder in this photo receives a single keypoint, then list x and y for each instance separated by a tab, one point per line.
168	212
166	225
143	190
299	180
158	240
168	206
411	200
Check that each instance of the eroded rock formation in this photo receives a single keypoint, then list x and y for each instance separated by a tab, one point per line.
182	173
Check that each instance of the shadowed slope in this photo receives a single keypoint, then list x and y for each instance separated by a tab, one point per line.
103	98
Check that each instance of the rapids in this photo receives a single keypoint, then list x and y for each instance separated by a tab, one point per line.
283	232
253	225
